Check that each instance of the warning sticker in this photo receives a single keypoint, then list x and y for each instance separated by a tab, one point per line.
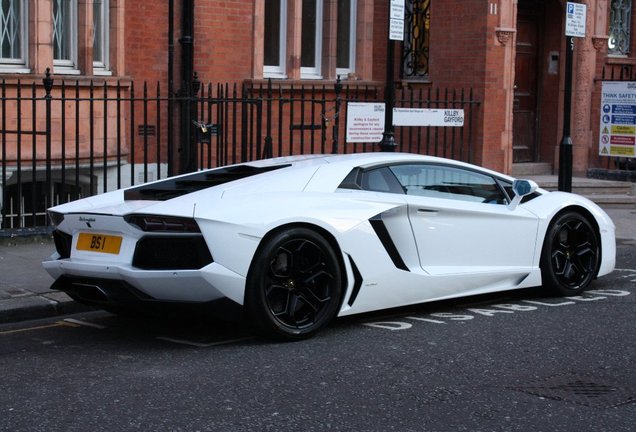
618	119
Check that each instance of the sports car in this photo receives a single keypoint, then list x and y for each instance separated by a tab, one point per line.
296	241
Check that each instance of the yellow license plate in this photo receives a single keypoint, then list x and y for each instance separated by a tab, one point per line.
99	243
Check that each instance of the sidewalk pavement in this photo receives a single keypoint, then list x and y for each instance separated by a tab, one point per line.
24	285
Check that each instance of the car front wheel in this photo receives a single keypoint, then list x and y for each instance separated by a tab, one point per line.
294	285
571	254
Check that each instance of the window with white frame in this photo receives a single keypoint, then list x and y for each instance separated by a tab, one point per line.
100	37
620	24
65	36
13	35
275	38
346	37
297	31
311	39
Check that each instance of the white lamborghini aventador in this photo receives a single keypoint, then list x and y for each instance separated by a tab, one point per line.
299	240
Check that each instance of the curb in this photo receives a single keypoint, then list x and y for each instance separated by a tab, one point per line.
38	307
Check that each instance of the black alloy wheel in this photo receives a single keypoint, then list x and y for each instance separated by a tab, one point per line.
294	285
571	254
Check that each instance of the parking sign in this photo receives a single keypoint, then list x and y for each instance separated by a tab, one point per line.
575	19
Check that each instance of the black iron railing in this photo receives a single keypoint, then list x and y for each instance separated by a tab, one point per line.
63	140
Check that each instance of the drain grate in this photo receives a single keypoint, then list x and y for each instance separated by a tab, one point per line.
581	390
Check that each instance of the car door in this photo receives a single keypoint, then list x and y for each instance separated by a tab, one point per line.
461	221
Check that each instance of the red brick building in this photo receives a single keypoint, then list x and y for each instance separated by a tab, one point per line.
511	53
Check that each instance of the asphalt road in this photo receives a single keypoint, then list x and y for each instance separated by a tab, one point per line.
516	361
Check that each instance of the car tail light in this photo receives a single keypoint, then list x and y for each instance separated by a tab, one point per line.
153	223
63	243
55	218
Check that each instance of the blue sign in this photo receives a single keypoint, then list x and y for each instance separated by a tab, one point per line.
624	109
623	120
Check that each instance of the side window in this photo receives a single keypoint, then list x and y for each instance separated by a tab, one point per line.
437	181
380	180
13	35
65	36
275	38
100	37
311	39
346	37
299	29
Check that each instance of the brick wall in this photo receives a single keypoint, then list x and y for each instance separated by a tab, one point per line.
464	53
224	40
146	40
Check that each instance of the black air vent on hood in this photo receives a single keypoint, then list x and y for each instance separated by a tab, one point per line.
178	186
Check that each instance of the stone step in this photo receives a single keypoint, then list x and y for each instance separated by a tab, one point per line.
605	193
614	201
587	186
531	169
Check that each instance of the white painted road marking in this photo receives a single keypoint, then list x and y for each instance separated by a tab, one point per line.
84	323
468	314
203	344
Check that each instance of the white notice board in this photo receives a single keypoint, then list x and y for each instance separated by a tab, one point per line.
428	117
365	122
396	20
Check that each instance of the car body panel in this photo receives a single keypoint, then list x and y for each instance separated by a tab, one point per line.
395	249
475	237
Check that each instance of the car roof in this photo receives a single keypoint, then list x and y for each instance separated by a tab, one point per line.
369	159
292	173
353	159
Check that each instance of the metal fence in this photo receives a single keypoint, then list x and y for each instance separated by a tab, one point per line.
61	141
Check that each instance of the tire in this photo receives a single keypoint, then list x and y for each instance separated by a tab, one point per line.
294	285
571	253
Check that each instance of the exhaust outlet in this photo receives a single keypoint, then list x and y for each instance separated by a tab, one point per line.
89	292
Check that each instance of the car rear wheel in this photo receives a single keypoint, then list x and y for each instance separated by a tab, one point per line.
571	254
294	285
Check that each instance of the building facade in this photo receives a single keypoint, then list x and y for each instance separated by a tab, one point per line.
510	53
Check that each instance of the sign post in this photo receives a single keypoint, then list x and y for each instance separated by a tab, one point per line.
396	32
574	27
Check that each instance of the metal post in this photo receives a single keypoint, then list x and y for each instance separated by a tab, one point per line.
336	117
188	160
268	149
171	140
388	143
565	148
48	86
244	108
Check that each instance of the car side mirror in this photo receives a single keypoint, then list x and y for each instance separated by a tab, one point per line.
521	188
